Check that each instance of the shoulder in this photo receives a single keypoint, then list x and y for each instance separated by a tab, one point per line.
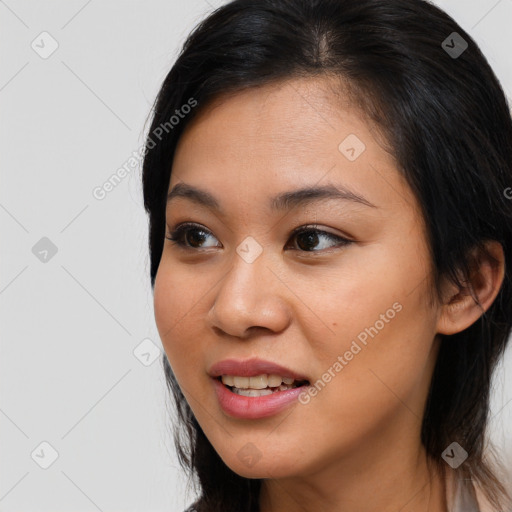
191	508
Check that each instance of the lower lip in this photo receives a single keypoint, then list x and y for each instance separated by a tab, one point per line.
253	407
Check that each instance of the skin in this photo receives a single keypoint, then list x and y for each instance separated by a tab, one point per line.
356	445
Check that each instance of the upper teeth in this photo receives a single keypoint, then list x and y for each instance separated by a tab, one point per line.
257	382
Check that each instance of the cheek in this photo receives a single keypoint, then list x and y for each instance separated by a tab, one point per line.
171	305
380	328
348	306
175	296
164	302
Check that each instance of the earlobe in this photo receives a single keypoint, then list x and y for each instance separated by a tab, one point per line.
463	307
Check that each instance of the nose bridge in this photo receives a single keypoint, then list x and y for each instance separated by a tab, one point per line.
250	294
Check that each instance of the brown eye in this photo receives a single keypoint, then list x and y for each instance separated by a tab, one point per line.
193	237
189	236
308	238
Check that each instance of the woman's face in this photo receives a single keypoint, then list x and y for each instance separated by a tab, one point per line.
343	305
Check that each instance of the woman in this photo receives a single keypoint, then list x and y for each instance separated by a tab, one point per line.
331	244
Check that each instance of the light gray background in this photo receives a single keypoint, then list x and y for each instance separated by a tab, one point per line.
68	375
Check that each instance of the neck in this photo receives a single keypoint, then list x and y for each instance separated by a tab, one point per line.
388	485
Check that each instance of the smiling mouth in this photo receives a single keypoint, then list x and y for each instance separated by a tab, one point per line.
260	385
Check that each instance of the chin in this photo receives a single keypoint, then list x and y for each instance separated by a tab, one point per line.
261	470
249	463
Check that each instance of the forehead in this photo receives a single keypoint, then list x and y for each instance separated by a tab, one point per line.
288	116
298	133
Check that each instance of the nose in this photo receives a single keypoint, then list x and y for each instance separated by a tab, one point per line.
250	297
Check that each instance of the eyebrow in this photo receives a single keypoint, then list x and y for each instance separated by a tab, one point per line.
283	201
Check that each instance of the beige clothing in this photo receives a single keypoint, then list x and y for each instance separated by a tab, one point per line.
463	496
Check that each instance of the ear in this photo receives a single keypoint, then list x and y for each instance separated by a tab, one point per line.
460	310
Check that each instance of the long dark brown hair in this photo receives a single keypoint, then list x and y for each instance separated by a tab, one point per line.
448	125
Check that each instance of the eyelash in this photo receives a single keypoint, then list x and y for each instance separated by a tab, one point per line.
176	236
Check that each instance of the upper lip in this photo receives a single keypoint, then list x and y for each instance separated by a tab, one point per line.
251	368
